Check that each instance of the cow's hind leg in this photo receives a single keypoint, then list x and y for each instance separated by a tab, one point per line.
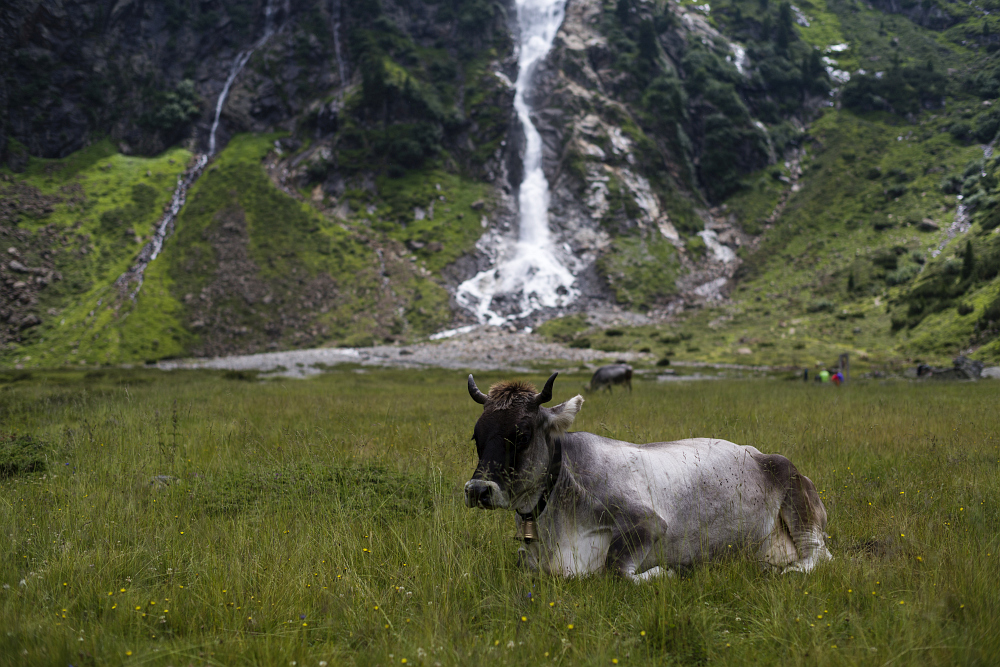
804	516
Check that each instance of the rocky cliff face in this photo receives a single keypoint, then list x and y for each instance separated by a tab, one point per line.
144	73
149	74
646	112
378	100
672	140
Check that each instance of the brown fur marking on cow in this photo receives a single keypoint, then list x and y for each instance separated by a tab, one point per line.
504	394
801	507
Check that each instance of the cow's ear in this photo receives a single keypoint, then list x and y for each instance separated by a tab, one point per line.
560	418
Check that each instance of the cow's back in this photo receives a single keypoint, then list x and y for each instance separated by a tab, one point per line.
701	492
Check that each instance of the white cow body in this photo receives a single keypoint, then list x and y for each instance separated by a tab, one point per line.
599	503
691	500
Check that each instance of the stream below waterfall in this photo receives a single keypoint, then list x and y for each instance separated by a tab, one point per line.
528	273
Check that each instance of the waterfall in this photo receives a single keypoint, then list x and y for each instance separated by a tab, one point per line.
335	28
962	222
241	60
238	64
527	272
165	225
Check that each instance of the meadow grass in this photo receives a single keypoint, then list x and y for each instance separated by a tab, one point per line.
194	518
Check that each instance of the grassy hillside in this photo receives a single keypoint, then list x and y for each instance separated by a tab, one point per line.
99	209
249	267
857	255
167	518
848	267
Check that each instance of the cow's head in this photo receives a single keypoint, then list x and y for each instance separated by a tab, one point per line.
514	439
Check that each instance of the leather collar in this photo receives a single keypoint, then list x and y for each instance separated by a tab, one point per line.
551	476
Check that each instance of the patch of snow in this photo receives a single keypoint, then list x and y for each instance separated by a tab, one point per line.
710	290
667	229
837	48
642	194
722	253
800	18
452	332
592	150
620	143
740	59
838	75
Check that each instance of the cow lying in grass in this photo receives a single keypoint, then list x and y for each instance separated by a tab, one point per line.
587	503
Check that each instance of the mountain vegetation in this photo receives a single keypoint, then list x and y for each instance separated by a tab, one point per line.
842	152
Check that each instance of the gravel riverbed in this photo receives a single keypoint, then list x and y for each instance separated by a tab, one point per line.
483	348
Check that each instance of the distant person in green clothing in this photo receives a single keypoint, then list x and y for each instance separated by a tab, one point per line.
824	375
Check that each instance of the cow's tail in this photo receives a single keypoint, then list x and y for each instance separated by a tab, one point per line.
804	517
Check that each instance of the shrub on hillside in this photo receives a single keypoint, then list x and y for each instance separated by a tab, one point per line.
987	125
730	151
961	130
988	325
951	185
117	221
900	90
172	112
821	306
902	275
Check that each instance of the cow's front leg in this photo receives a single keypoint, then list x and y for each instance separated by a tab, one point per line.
631	554
527	558
651	573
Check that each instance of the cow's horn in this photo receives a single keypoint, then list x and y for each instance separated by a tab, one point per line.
546	394
477	396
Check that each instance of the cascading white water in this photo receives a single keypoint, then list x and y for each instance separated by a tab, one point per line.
165	225
529	270
962	222
238	64
335	14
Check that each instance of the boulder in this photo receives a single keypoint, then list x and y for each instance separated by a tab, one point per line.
971	368
927	225
962	368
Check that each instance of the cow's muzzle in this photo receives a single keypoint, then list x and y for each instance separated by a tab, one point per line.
483	494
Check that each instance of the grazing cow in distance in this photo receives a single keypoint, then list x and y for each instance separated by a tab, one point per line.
587	503
606	376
